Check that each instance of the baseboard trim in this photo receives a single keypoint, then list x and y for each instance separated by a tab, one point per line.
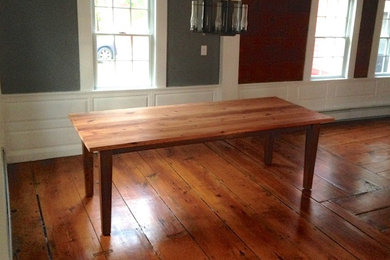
43	153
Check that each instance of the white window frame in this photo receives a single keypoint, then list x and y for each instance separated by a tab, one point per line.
114	34
375	43
87	49
349	61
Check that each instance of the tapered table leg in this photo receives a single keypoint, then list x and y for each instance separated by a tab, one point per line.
269	148
88	171
312	134
105	191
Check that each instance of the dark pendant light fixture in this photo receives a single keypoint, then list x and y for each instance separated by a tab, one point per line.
223	17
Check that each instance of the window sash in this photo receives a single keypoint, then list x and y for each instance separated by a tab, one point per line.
382	66
383	58
345	36
131	34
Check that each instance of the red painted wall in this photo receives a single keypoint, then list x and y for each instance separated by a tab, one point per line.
366	33
274	47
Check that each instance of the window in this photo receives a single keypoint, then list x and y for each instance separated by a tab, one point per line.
382	63
124	43
332	38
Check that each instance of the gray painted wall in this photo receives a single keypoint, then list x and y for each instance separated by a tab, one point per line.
39	46
185	65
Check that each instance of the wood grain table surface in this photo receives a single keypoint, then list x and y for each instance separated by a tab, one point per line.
147	127
135	129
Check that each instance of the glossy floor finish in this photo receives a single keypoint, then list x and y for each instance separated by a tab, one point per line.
215	201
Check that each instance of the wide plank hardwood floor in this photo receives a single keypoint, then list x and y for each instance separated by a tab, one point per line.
215	200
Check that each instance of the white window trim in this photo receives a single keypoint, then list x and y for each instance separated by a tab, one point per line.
355	39
310	41
351	60
86	45
160	43
375	42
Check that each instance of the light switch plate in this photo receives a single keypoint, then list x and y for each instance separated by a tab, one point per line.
203	50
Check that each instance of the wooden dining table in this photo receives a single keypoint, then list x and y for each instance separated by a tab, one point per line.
134	129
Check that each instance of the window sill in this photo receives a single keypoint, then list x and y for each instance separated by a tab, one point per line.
379	76
115	88
327	79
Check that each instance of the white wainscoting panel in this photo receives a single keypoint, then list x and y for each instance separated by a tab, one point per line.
162	99
351	94
106	103
40	128
383	93
355	88
20	140
264	90
312	95
37	125
325	95
42	110
47	152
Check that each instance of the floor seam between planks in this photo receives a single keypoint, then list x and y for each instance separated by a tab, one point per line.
212	198
43	225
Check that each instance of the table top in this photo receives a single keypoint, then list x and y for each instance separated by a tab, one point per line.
152	127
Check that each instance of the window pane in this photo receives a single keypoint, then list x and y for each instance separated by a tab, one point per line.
338	46
379	64
328	57
339	26
385	32
335	8
141	72
105	72
319	67
319	48
331	27
321	27
105	48
143	4
328	47
382	47
103	19
123	73
382	63
322	8
123	47
140	21
122	20
122	3
386	67
141	48
107	3
329	66
339	8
